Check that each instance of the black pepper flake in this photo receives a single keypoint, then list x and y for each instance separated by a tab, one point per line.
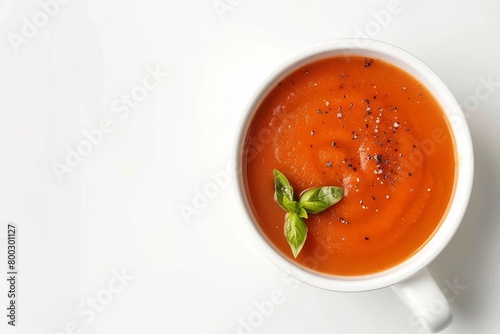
374	97
319	111
368	62
341	219
354	169
379	158
410	174
407	129
328	164
313	132
334	143
311	145
373	197
366	238
350	165
367	101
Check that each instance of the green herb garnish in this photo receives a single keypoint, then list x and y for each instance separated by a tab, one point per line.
314	200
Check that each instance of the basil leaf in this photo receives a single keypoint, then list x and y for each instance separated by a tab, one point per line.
313	200
302	213
319	199
291	206
295	232
294	207
282	189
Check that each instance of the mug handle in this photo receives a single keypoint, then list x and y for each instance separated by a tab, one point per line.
424	298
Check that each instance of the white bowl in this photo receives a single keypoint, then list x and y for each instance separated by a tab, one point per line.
464	166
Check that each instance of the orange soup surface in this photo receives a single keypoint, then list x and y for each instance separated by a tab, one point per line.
369	127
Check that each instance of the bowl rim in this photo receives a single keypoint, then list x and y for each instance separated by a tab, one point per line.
464	165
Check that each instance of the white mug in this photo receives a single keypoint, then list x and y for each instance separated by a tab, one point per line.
410	280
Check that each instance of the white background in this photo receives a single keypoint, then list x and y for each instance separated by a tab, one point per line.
119	210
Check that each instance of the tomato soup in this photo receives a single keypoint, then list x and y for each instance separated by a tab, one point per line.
369	127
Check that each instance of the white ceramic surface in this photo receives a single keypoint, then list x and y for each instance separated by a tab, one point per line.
120	209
